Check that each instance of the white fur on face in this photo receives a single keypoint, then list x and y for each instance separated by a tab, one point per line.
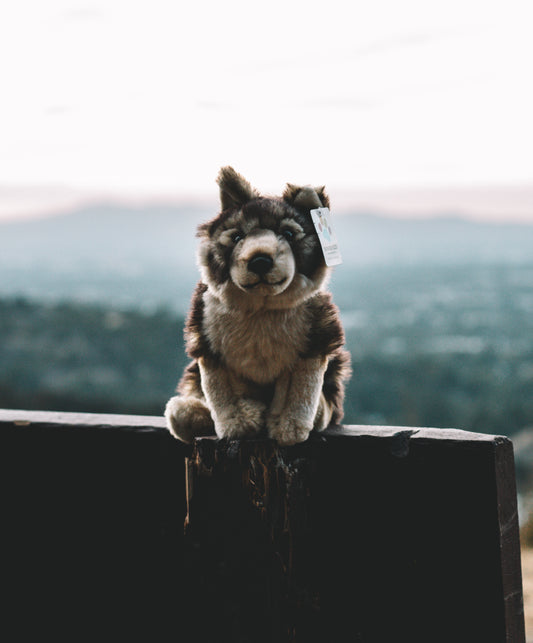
267	243
223	259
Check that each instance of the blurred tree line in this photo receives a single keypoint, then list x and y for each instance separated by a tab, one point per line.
70	357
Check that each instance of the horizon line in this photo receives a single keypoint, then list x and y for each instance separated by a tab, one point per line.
483	203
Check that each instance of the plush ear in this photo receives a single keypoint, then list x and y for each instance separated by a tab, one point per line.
306	197
235	190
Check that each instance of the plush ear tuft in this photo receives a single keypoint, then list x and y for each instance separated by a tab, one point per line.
235	190
306	197
323	195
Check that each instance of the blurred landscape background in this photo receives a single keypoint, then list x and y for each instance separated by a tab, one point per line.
438	316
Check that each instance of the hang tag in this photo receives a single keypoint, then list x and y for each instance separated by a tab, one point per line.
328	240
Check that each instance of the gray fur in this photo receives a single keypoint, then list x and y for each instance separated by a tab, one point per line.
235	190
265	339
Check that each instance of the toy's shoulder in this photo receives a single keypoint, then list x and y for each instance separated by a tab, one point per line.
326	335
196	342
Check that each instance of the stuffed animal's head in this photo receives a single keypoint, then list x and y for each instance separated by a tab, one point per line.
264	250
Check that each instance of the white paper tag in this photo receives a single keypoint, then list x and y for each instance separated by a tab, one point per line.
328	240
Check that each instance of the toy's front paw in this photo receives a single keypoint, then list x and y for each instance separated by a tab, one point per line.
187	418
244	419
287	431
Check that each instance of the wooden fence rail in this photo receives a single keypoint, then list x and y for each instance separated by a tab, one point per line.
114	531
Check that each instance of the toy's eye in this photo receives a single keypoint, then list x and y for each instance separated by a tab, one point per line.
237	236
288	234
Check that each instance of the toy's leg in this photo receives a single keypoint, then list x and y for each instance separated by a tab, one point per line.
188	417
235	415
297	401
323	414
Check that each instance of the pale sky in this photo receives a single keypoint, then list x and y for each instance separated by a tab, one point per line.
148	98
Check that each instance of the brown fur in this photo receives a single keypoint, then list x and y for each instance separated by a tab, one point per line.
264	336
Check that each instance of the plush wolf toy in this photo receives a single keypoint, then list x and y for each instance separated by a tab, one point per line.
264	337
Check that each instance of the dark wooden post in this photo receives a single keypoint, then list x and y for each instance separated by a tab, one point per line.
251	541
361	534
509	540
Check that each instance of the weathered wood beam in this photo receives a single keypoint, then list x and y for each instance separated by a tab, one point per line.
366	534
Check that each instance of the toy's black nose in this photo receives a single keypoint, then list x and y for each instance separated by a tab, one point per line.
260	264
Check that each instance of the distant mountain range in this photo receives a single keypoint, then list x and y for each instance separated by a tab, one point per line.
146	256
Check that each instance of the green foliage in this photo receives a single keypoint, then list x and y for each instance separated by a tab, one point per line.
443	346
460	391
86	358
